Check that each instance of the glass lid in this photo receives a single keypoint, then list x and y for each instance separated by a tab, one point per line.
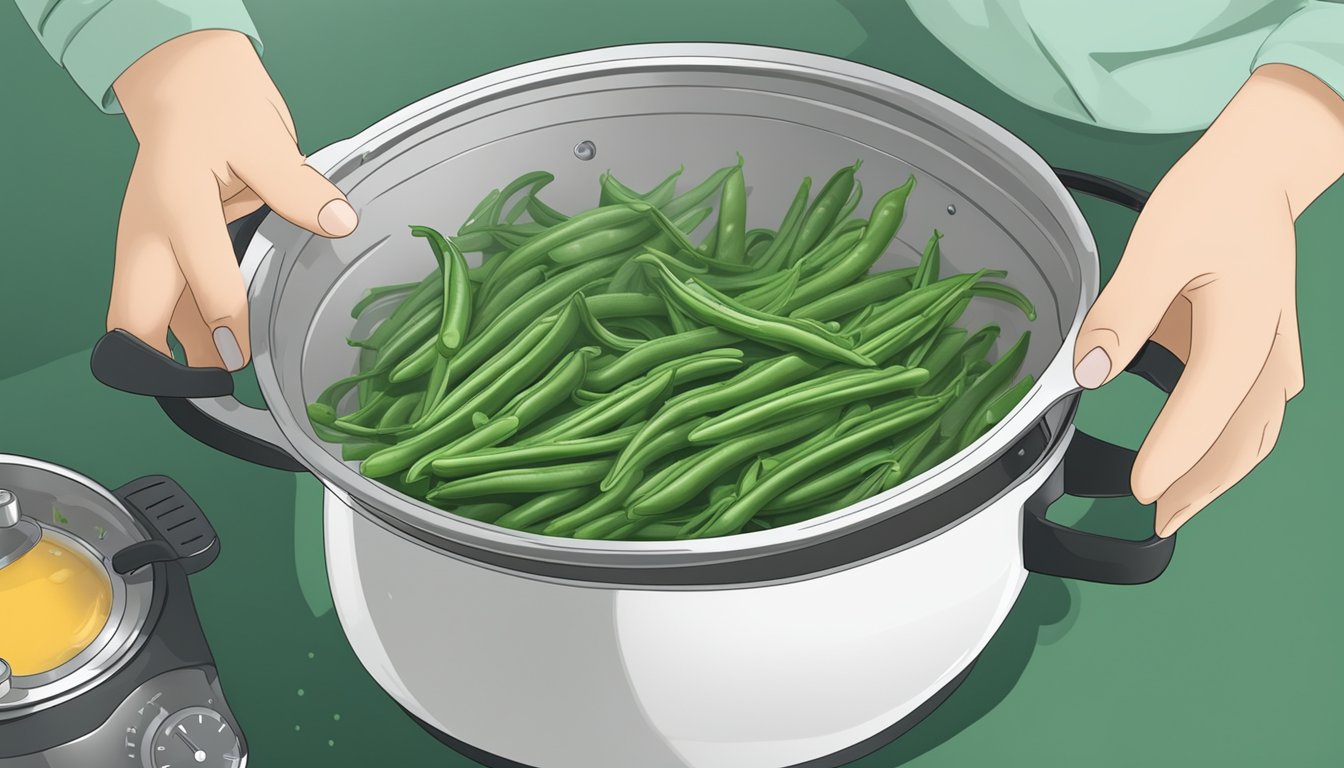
55	599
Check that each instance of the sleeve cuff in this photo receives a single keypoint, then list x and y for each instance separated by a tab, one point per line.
1312	40
122	31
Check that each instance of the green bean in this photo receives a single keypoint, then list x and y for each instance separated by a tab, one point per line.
505	297
613	191
606	503
817	394
488	373
602	335
1001	406
602	243
929	263
552	389
886	285
920	299
730	245
702	365
489	215
751	324
821	216
699	470
851	205
486	513
947	345
453	422
701	192
607	413
693	527
772	296
836	479
543	299
1001	292
487	433
609	305
886	423
888	212
679	321
753	382
629	278
778	253
984	388
510	456
480	211
456	313
545	507
603	527
846	236
870	486
360	450
979	343
372	295
536	250
399	412
526	480
543	214
641	325
654	352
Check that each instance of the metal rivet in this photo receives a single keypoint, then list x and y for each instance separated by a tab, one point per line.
585	150
951	210
1021	451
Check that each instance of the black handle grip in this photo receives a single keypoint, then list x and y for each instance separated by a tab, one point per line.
180	532
1094	468
124	362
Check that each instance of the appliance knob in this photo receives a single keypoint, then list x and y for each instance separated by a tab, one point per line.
9	509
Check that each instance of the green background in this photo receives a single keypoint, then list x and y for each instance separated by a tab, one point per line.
1231	658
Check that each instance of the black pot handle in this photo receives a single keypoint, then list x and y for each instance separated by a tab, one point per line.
124	362
1094	468
178	528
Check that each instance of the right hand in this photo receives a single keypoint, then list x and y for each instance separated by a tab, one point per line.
216	141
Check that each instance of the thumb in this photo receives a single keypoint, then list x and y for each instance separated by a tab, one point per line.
1124	316
300	194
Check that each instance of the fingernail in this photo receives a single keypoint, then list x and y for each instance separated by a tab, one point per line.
337	218
227	346
1093	369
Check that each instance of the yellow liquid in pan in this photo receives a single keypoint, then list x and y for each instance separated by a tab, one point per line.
53	602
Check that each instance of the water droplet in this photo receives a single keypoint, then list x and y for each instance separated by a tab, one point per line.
585	150
331	742
336	717
296	727
311	654
951	210
300	691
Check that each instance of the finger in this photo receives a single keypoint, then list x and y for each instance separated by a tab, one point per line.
293	189
1232	333
1173	333
1134	301
193	334
205	256
1247	440
145	279
240	205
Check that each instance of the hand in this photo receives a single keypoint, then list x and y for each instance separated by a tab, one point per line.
1209	273
216	141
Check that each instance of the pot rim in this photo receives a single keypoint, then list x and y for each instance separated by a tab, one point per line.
431	524
120	637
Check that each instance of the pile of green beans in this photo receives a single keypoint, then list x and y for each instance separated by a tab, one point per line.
612	374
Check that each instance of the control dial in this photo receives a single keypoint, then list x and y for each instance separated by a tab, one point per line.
195	737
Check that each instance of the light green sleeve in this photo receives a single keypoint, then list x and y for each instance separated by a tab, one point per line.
1139	66
1311	39
97	40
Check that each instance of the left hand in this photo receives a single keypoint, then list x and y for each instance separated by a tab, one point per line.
1209	273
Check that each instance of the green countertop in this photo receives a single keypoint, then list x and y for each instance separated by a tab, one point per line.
1229	659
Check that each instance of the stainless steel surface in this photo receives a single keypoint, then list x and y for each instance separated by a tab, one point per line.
651	108
96	524
4	677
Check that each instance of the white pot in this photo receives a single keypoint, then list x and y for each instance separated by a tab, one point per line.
809	644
